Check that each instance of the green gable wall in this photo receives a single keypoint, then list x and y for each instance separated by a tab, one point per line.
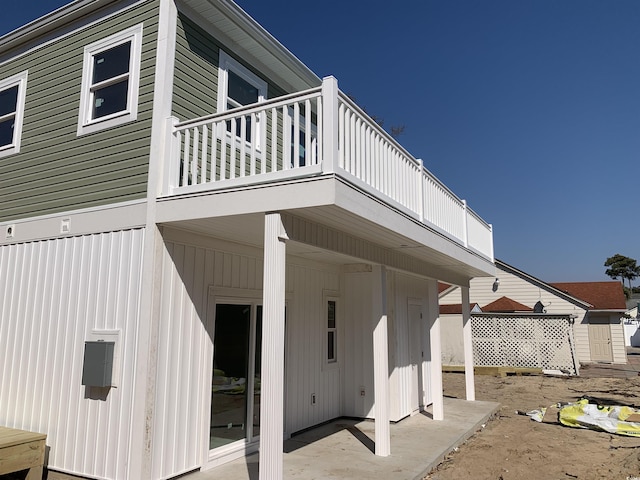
195	89
56	170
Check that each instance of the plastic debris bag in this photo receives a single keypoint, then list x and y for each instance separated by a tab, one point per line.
621	420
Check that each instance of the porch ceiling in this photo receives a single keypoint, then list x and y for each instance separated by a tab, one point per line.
248	229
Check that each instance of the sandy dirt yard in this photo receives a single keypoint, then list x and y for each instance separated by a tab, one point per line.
513	446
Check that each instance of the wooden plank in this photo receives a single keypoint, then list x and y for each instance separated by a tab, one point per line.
494	370
21	450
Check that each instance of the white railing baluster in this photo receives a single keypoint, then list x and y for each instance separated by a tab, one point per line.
242	161
274	141
286	138
193	167
308	148
185	158
338	136
320	135
232	150
341	135
204	155
214	150
254	134
295	136
223	151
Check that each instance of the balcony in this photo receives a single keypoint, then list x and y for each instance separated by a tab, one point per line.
316	132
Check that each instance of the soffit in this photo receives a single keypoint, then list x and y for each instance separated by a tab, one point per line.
235	27
248	229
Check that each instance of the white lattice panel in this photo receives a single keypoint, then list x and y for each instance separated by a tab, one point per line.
540	341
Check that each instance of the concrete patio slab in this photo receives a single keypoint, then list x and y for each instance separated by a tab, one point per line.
343	448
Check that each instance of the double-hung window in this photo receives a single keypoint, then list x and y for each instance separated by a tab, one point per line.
237	87
110	81
12	97
332	332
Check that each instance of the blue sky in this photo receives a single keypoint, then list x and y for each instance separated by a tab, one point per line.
528	109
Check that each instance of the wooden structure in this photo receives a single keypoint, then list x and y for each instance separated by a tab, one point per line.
21	450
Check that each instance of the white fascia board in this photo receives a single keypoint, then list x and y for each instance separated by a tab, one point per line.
289	68
263	37
351	199
254	199
50	21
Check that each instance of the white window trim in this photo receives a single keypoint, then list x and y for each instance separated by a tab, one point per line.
20	80
85	123
226	63
331	296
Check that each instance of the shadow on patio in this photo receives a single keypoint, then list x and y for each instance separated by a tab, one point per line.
343	448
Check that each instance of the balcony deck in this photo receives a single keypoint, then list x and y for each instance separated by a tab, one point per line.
310	134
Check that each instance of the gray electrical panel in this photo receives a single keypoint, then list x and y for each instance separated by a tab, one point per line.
98	364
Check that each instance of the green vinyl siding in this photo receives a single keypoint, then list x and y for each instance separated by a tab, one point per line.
195	90
56	170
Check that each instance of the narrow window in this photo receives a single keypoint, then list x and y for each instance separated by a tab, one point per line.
237	87
332	333
110	81
12	98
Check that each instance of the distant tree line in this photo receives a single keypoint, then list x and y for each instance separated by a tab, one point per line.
624	268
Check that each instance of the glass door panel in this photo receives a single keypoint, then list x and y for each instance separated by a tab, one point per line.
230	373
257	373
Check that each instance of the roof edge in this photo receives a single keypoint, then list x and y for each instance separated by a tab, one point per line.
267	39
50	21
530	278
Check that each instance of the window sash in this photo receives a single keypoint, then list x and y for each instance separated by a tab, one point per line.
13	91
121	90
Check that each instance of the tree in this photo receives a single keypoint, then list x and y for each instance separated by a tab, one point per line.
622	267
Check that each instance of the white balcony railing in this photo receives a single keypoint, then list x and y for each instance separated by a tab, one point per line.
315	132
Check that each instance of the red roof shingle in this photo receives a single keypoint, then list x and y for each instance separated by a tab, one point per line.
601	295
506	305
454	308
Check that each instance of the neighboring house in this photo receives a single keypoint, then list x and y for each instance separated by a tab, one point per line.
597	309
173	181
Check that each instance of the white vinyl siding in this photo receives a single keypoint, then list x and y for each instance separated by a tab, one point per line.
192	265
55	293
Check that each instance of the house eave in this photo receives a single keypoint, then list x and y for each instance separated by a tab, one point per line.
252	41
330	202
49	22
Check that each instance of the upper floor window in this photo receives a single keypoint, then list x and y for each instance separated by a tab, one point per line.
12	97
110	81
238	86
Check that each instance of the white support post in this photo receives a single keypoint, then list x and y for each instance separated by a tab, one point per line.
380	361
421	188
436	352
467	341
329	124
272	395
171	156
465	224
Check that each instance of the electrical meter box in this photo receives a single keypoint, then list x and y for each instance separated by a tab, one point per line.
98	364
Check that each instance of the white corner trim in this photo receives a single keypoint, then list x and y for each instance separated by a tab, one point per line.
19	80
87	124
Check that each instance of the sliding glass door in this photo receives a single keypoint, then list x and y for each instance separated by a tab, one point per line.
235	384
